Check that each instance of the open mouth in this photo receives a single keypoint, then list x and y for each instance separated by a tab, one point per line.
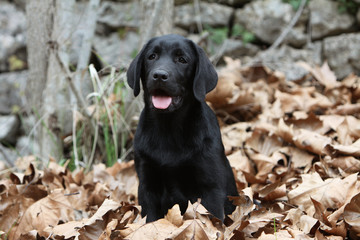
162	100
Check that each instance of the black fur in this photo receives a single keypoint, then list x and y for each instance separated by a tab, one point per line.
179	155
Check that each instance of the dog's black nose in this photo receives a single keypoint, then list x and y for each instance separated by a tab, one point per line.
160	75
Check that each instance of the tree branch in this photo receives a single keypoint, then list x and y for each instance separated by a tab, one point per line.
292	23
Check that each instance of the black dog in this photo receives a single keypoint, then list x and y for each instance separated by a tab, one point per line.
179	155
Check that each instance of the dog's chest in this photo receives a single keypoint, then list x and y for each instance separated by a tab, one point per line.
170	149
184	180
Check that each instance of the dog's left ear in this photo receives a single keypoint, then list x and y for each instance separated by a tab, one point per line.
206	77
133	74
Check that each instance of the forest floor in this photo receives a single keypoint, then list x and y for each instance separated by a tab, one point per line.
294	148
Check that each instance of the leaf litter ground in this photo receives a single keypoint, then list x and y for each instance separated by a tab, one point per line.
294	148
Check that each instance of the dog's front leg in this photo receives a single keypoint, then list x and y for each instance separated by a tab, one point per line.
150	205
213	201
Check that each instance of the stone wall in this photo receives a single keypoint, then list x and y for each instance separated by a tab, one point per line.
323	32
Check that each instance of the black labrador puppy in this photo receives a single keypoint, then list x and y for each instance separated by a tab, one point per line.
179	155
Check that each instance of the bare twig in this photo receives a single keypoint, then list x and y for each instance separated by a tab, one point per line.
215	58
75	138
203	36
87	34
111	121
198	15
69	78
292	23
96	136
153	22
83	109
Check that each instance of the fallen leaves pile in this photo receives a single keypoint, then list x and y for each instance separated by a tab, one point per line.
294	148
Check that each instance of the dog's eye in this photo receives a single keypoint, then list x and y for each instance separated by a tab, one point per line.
152	56
182	60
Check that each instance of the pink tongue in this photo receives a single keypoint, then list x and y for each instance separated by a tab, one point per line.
161	102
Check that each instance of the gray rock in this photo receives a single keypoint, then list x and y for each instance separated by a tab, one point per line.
28	124
211	14
9	127
117	15
284	59
181	2
343	54
20	4
80	11
7	155
234	3
116	51
12	33
12	88
326	20
12	20
27	146
267	20
236	49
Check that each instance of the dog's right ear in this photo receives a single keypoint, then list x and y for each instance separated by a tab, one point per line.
133	74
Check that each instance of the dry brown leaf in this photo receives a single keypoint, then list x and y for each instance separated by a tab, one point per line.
43	213
106	206
264	166
22	163
31	235
352	191
67	230
13	207
348	164
98	194
323	74
264	144
302	138
272	192
320	235
320	212
110	227
174	216
293	216
352	213
348	131
338	229
72	228
347	109
332	121
260	218
161	229
298	157
302	99
240	162
234	136
239	216
195	210
101	175
311	122
308	224
191	229
332	193
52	179
352	150
281	235
227	87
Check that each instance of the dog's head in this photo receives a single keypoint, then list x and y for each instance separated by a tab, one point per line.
172	69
